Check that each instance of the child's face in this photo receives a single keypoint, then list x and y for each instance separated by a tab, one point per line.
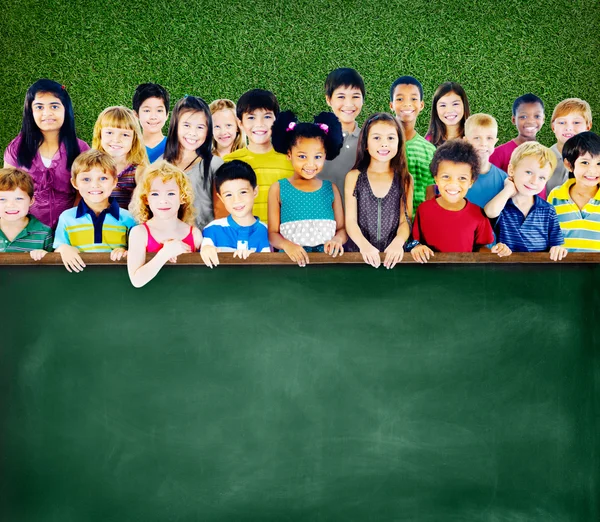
225	128
153	115
307	157
48	112
450	109
382	143
484	140
565	127
257	126
116	142
527	175
164	198
586	170
529	119
407	103
95	186
238	197
346	103
453	180
192	130
14	204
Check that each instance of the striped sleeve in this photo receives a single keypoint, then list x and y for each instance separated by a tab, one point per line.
555	235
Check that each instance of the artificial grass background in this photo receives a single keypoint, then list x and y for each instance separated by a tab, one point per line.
102	49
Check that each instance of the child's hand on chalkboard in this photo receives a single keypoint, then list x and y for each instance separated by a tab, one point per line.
558	253
209	255
71	258
333	248
242	253
296	253
173	248
421	253
394	253
501	249
38	254
117	254
371	256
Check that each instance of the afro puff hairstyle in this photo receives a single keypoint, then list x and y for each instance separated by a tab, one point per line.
286	132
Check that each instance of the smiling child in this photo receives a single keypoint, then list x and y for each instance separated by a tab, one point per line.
19	230
97	224
240	232
451	223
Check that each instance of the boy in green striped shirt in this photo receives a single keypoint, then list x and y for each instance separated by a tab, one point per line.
19	230
406	100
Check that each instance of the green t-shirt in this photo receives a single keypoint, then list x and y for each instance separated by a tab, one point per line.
419	153
35	236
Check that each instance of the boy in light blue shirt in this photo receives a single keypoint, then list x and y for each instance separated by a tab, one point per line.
97	224
240	232
481	131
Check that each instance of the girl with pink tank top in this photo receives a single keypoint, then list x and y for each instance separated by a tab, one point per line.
163	204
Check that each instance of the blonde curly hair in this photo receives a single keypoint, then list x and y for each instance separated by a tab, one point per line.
166	172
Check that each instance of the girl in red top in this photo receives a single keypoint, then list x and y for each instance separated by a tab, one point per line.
163	202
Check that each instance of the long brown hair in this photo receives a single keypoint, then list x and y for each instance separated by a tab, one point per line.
437	130
398	163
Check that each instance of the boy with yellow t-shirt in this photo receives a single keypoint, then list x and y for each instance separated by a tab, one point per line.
257	110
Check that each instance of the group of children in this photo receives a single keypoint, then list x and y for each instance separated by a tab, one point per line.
247	177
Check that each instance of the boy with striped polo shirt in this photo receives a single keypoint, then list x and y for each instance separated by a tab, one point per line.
525	222
406	100
577	201
97	224
19	230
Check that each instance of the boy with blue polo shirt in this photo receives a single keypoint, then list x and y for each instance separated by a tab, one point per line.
97	224
406	100
345	94
525	222
240	232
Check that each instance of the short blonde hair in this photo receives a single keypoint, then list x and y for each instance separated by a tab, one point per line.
533	148
12	178
240	139
480	120
573	105
166	172
122	118
94	159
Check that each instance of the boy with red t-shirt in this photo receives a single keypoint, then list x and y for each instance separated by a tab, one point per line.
450	223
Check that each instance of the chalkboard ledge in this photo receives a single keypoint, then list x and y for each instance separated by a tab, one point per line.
318	259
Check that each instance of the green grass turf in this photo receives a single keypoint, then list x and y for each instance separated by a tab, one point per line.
102	49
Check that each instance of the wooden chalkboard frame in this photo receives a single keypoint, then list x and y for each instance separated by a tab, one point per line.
320	259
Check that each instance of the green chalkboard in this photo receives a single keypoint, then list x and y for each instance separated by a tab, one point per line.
278	394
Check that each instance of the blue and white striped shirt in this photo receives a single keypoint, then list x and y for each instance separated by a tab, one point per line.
537	232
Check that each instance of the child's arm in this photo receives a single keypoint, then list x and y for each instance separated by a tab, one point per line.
295	252
141	272
556	238
395	250
369	252
335	245
38	254
420	253
208	250
497	204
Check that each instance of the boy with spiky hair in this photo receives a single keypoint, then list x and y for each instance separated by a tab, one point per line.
528	117
406	100
151	106
345	94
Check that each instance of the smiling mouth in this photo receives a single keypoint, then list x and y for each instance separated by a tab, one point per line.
384	152
453	192
12	212
190	141
225	137
239	208
95	192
